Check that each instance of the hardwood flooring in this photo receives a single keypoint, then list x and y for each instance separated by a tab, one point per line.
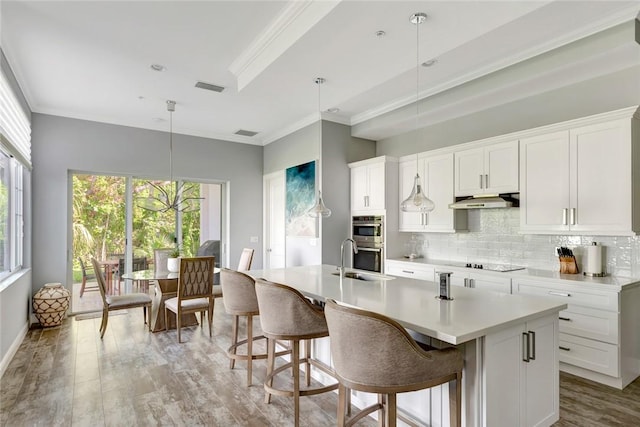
68	376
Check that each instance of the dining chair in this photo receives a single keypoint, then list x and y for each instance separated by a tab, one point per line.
361	363
119	302
195	292
245	259
87	275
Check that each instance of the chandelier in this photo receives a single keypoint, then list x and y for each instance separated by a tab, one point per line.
179	197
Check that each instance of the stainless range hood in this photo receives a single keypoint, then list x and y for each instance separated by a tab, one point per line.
494	201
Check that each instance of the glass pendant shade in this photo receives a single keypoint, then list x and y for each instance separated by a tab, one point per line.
417	201
319	209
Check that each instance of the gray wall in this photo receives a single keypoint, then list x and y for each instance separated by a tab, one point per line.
338	149
599	95
62	144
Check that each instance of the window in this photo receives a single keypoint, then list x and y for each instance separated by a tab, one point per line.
15	162
11	215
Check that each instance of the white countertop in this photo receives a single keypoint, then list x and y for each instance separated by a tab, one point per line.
471	314
607	282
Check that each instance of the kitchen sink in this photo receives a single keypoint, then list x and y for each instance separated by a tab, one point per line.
369	277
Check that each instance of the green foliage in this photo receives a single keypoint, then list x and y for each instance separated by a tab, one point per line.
99	220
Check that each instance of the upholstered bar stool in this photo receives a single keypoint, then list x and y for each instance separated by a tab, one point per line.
285	314
239	297
375	354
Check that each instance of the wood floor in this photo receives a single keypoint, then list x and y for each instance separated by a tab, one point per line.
68	376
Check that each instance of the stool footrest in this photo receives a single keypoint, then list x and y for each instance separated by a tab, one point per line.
303	392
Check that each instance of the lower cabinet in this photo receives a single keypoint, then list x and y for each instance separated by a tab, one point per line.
410	270
522	365
481	281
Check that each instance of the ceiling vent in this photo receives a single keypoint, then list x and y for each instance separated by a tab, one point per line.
243	132
209	86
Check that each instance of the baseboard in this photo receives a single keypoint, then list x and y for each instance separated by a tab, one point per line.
13	349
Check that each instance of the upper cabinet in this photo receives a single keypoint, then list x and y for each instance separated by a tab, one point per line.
492	169
436	174
370	183
580	180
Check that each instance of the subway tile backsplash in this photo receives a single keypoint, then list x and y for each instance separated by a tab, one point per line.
494	237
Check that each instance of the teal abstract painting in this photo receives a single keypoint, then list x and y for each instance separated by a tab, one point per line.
300	196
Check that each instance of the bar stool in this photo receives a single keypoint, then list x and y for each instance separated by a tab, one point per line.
285	314
375	354
239	297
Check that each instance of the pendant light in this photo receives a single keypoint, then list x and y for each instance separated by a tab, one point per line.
417	200
180	197
319	209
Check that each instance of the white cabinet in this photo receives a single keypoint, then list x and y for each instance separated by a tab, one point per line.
369	183
578	180
492	169
523	360
410	269
598	330
477	280
436	175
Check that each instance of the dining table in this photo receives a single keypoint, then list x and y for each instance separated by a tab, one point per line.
167	288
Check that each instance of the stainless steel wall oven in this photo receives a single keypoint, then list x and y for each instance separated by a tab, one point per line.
368	233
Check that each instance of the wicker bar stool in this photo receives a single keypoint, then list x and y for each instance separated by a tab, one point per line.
239	297
285	314
375	354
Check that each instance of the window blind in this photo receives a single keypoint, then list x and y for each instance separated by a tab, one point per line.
15	125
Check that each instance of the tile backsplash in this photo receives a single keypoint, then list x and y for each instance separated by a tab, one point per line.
493	237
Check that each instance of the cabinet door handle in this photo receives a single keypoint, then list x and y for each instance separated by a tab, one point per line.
572	216
480	180
564	216
566	319
559	294
466	282
532	347
486	181
472	283
407	271
564	348
525	347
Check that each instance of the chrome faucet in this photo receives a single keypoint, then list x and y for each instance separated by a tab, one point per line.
354	245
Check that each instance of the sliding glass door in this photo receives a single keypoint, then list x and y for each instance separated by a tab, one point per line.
114	222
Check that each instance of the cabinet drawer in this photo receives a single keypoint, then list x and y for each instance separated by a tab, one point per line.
571	295
401	269
589	354
589	323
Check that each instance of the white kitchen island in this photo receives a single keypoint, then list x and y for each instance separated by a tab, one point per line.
510	342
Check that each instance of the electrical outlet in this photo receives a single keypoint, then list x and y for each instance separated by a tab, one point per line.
253	239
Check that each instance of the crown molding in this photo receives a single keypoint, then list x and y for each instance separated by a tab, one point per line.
296	19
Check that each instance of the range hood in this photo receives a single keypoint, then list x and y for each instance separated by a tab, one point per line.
493	201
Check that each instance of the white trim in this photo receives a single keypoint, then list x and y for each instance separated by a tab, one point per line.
13	349
297	18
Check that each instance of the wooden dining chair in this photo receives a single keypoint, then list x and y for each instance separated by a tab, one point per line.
88	274
245	259
195	291
119	302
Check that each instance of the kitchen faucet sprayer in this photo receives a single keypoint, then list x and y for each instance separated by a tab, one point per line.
354	245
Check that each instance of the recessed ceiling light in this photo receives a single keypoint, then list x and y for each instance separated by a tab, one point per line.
381	33
244	132
158	67
159	119
141	97
430	62
333	110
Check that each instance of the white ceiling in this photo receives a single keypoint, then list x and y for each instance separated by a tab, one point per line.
91	59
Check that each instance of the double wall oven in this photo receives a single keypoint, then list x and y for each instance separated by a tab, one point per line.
368	233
